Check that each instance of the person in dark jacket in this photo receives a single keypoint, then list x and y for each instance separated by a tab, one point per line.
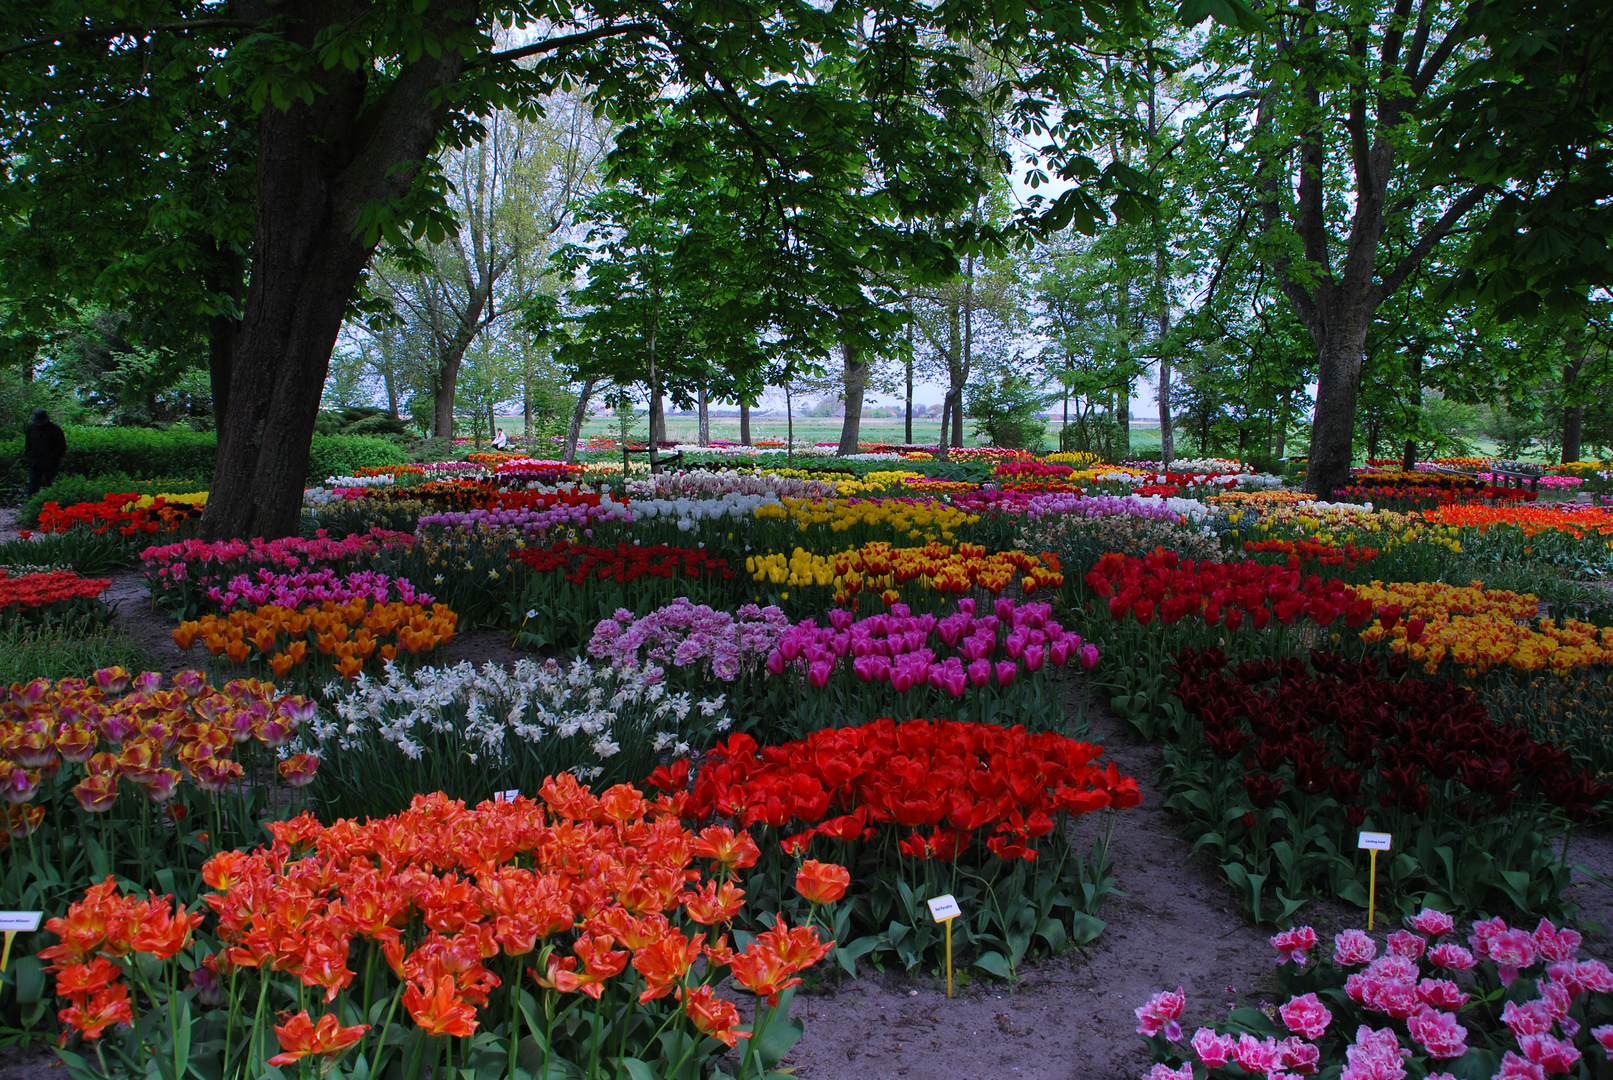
43	448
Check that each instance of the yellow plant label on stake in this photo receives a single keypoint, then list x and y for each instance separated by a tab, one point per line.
14	923
1373	842
943	909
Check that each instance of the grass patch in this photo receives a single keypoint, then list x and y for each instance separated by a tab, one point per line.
28	653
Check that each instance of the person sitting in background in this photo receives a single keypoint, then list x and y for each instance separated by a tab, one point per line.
501	440
43	448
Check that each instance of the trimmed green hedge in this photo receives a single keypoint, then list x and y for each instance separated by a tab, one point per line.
149	454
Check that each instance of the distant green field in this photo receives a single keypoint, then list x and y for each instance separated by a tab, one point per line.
821	429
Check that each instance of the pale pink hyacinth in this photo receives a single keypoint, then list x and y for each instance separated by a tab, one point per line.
1306	1015
1161	1015
1294	945
1353	948
684	634
1433	923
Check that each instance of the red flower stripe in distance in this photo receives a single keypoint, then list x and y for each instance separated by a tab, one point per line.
622	564
1171	588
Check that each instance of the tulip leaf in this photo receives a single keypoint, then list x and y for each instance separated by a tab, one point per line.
637	1069
995	963
1085	928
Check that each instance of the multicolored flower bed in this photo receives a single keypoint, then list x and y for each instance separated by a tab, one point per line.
52	597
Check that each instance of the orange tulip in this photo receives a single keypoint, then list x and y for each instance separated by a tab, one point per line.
300	1037
822	883
444	1012
712	1015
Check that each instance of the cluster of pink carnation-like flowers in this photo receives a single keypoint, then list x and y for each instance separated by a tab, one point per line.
684	633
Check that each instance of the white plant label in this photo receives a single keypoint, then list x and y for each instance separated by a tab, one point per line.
23	922
1374	841
506	796
945	907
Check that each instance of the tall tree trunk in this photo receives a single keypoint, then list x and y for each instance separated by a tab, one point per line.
856	383
744	423
907	434
1167	434
574	433
319	166
657	417
1338	384
1408	459
1573	414
957	416
946	416
222	277
705	418
789	427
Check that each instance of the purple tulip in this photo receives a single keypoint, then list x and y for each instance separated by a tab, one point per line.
818	674
775	662
980	672
839	619
1089	656
1014	644
1006	670
967	605
902	679
1059	652
1004	609
1034	656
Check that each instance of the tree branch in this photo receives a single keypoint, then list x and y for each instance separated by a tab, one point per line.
562	43
1442	52
1440	229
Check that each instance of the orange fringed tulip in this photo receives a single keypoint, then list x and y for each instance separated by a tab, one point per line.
712	1015
301	1037
443	1012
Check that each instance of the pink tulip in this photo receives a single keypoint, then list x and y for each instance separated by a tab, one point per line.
1006	670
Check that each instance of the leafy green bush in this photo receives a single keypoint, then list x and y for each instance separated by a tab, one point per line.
342	455
142	453
178	456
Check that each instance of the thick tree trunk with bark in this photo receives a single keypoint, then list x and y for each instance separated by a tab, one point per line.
657	419
578	414
1573	414
856	384
223	277
744	423
319	166
1338	384
705	418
